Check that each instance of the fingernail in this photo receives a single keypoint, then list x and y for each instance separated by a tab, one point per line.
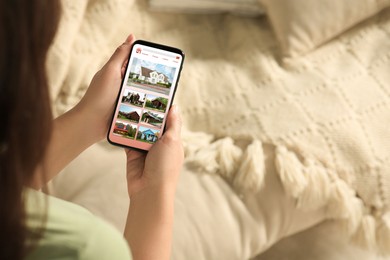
176	109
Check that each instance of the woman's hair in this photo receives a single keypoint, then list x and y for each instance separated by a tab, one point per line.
27	28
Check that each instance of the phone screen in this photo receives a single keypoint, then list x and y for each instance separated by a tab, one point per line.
146	95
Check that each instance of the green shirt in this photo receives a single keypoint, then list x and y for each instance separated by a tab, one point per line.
71	232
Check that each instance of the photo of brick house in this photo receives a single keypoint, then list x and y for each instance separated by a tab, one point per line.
156	103
125	129
120	128
129	113
133	97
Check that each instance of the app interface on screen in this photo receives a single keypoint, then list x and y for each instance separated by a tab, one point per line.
145	97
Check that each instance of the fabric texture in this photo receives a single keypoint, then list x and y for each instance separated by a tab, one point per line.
212	221
71	232
301	26
322	242
322	116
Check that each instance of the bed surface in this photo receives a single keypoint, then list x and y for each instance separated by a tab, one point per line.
235	84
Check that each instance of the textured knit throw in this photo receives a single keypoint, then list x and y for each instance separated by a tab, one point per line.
327	114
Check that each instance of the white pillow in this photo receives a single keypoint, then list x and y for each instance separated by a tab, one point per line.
211	220
302	25
242	7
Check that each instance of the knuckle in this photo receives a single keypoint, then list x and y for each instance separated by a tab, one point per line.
171	138
120	47
111	65
123	46
168	138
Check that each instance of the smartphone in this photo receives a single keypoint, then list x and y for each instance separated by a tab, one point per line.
146	94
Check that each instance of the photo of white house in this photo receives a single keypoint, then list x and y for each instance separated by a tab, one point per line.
151	76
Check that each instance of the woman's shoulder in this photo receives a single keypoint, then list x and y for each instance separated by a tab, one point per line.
71	232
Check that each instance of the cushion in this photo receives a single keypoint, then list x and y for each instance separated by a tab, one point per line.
211	220
302	25
244	7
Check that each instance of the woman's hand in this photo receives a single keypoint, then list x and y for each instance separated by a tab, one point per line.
98	103
152	180
160	167
95	109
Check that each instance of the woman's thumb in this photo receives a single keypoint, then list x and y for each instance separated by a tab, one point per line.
121	53
174	121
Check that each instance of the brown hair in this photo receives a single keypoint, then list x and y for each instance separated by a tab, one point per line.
27	29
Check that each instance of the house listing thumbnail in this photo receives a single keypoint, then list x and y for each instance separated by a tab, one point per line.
144	100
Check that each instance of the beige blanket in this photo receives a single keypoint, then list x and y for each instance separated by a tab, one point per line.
324	115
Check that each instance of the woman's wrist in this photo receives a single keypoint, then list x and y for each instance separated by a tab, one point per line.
150	222
72	133
164	191
93	124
